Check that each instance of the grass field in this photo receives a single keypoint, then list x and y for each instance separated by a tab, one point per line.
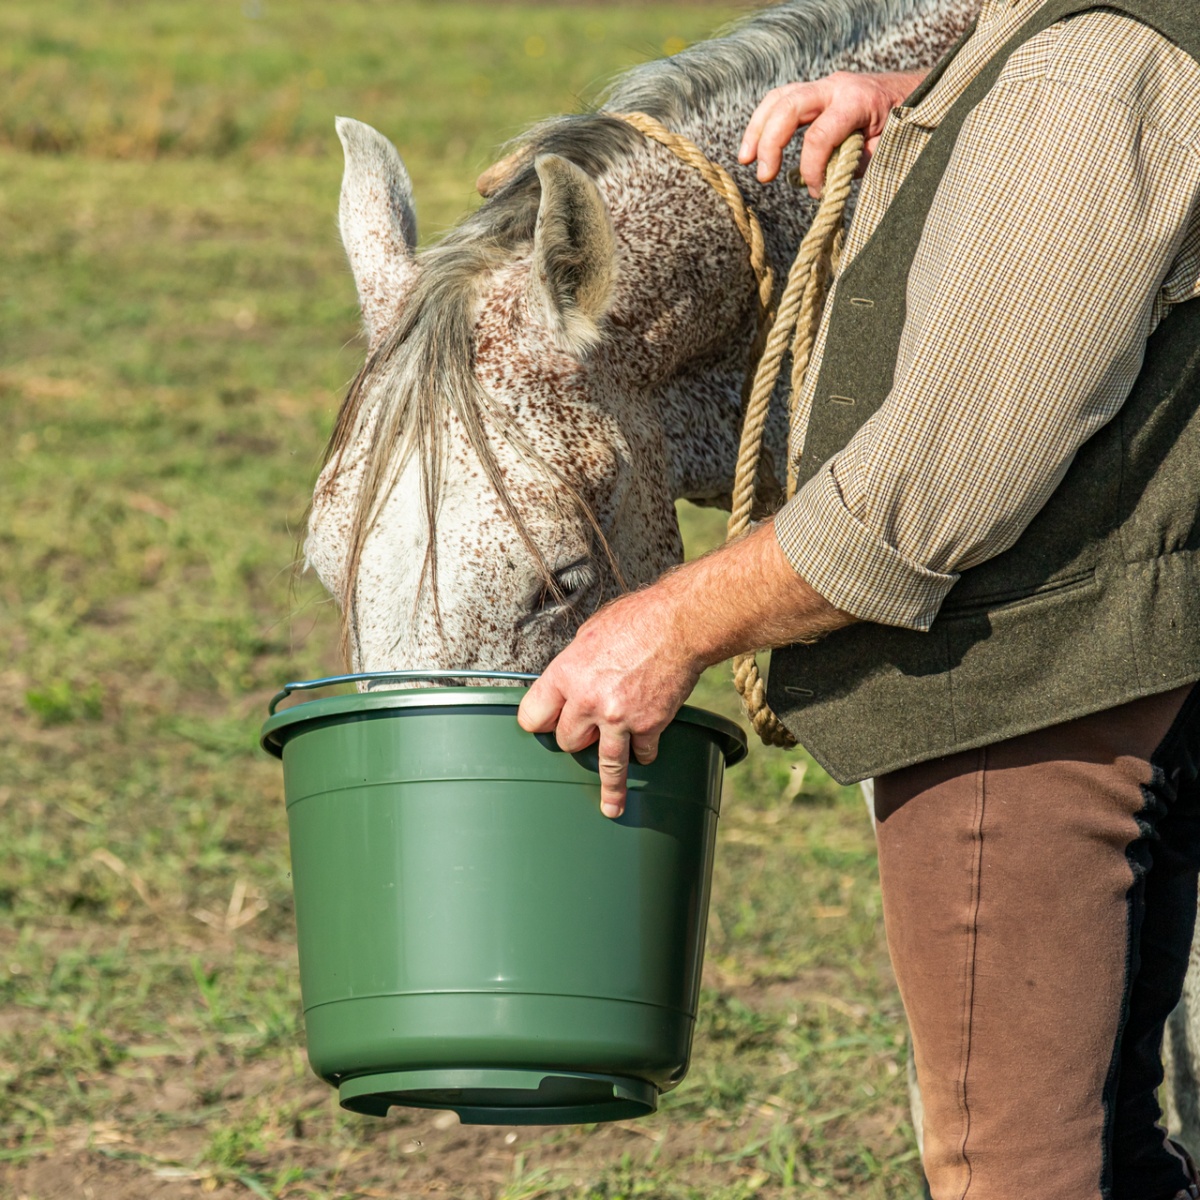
176	324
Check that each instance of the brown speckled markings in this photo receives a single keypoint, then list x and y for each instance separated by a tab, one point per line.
583	337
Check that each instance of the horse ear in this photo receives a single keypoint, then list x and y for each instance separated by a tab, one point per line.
377	221
574	255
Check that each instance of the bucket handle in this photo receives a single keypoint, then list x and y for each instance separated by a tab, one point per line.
311	685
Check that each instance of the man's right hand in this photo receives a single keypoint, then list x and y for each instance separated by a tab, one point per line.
832	108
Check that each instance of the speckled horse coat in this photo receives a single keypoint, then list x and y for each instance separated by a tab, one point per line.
544	383
576	346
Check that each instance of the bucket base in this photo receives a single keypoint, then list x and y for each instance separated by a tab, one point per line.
493	1096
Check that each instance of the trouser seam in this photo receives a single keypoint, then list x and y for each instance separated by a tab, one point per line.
972	989
970	965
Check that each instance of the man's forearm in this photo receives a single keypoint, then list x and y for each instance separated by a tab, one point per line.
745	596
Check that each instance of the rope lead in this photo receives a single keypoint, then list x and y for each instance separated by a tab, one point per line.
792	326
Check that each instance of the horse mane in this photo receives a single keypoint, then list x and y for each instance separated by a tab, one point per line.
803	39
423	369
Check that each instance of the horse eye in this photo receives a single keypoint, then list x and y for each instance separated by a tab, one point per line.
572	582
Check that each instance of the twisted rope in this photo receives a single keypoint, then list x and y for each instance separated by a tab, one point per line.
792	327
726	187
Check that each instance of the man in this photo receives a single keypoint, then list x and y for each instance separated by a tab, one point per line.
988	580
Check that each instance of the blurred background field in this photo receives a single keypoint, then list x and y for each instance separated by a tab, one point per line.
176	327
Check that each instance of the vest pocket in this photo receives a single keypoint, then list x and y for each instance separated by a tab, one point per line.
1014	597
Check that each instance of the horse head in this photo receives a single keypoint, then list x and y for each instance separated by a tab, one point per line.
496	472
543	383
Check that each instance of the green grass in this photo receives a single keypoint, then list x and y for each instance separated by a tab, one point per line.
176	324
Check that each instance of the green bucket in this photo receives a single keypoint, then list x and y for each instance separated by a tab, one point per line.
474	934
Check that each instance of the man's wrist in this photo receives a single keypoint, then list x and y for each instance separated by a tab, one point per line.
902	84
689	618
744	596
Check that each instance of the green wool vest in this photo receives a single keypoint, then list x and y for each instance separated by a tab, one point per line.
1096	604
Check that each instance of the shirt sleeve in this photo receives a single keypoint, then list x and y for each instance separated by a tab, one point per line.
1035	285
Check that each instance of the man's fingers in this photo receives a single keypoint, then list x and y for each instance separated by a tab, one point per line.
814	159
779	129
614	770
573	736
868	150
541	706
821	139
774	123
793	109
832	108
754	126
576	729
644	747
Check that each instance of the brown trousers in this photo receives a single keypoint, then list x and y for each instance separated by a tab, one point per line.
1039	897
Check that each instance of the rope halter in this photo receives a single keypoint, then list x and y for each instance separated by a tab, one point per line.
792	325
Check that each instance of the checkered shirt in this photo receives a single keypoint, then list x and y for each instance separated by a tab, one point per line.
1064	229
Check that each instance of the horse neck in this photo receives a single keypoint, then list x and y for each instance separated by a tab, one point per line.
700	406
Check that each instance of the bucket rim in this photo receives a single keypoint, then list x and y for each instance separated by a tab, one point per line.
277	729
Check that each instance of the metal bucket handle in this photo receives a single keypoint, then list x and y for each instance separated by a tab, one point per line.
310	685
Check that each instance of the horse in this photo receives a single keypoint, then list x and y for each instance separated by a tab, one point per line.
543	384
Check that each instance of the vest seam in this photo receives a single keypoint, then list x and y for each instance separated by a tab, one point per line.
951	678
1191	675
1165	556
1122	542
999	601
971	964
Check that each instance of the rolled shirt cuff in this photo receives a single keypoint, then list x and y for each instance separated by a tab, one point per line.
852	567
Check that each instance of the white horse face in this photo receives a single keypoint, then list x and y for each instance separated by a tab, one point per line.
496	363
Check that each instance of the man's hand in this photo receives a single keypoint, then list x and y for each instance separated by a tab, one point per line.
621	681
832	108
633	664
